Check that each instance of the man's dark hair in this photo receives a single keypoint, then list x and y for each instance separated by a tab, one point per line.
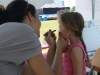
2	16
18	9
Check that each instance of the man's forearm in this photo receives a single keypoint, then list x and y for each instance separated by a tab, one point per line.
57	63
50	55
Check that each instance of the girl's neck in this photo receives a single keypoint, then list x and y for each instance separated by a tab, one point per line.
74	40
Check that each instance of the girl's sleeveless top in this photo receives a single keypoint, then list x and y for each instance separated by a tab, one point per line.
67	62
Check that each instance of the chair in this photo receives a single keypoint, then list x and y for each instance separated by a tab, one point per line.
95	62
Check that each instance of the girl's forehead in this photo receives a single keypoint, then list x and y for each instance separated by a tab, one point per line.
58	18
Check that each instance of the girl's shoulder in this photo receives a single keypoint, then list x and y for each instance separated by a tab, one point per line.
76	47
79	44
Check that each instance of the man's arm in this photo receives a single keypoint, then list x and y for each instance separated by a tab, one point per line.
50	55
40	67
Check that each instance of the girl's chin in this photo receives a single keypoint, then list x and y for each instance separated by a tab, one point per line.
38	35
64	38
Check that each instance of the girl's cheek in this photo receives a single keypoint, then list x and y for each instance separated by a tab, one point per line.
63	35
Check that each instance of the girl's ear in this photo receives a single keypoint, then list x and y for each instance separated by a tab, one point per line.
69	32
29	16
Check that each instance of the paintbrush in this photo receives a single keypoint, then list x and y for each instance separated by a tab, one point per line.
47	33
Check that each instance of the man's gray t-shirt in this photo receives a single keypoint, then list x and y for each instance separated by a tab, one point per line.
18	43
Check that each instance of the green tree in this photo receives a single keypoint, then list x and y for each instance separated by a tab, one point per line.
72	9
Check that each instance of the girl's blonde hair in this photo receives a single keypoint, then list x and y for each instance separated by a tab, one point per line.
73	21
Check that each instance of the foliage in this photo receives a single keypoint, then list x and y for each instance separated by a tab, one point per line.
72	9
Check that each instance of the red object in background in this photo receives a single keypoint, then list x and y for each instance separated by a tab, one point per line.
44	55
45	47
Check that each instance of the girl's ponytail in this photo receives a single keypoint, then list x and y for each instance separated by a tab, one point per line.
81	39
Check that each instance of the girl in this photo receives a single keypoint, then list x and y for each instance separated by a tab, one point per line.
71	25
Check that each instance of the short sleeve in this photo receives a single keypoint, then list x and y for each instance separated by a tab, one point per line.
19	44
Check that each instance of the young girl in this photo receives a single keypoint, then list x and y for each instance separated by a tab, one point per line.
71	25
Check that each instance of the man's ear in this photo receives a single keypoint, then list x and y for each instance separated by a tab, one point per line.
30	16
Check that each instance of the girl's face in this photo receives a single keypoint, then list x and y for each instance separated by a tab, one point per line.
64	32
36	24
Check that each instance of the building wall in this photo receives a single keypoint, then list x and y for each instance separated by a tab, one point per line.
58	1
40	3
37	3
5	2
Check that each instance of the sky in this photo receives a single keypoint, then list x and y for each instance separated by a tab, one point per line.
69	3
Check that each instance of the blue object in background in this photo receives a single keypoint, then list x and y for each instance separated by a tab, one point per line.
40	17
45	18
